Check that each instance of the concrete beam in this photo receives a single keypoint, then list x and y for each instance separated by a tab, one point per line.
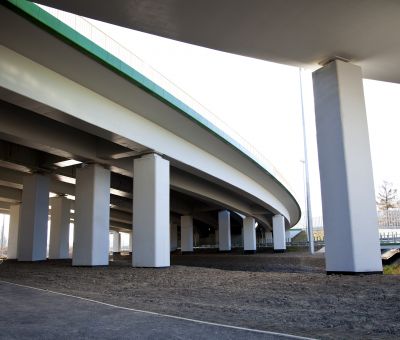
10	194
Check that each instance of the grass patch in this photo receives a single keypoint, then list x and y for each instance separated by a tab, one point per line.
392	269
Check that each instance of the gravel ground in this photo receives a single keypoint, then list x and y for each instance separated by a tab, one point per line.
287	293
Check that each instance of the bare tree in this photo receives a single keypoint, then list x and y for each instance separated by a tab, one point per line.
387	199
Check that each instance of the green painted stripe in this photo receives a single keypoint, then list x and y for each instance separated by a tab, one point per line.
72	37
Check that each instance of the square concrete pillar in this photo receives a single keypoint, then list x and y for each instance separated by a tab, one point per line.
32	235
151	215
92	216
268	237
347	188
186	234
116	245
173	236
249	235
12	248
59	227
279	235
224	230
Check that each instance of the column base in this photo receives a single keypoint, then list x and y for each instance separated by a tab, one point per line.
352	273
279	250
248	252
91	265
160	267
187	252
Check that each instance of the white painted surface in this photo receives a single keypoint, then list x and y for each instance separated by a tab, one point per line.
348	197
59	228
151	215
92	216
116	248
186	233
249	233
12	250
224	230
173	236
278	224
90	107
32	236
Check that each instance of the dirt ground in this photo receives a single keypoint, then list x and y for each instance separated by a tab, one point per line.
287	293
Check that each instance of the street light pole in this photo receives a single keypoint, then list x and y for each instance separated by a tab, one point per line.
308	199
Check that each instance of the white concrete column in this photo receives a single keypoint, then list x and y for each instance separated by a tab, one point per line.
268	237
186	234
151	215
92	216
249	235
32	235
224	230
287	235
59	228
348	197
279	235
12	248
173	235
116	245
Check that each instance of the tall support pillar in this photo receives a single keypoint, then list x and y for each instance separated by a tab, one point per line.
173	235
348	198
224	230
92	216
249	235
59	228
12	248
32	235
151	215
279	235
186	234
116	243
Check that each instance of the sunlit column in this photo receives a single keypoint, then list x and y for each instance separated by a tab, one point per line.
249	235
278	225
151	215
92	216
348	198
59	228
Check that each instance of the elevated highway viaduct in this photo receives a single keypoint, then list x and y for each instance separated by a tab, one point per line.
342	42
82	127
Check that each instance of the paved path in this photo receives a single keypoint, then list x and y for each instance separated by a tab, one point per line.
27	312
